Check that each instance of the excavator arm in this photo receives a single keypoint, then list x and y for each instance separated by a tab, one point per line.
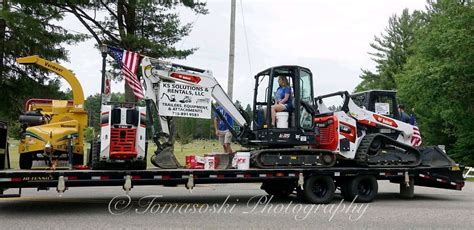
154	72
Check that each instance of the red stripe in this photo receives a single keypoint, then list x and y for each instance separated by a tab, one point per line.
125	56
129	68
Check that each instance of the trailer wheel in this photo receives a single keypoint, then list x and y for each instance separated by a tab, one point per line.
361	188
319	189
26	160
279	189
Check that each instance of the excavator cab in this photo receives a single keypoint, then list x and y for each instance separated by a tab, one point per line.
294	126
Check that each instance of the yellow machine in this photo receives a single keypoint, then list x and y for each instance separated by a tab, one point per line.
53	129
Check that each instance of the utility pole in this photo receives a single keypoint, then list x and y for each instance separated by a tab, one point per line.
3	25
230	80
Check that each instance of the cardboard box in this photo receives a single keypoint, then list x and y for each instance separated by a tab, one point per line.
195	162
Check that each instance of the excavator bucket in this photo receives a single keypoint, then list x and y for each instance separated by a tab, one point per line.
164	158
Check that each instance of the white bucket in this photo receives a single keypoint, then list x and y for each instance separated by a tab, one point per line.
242	160
282	119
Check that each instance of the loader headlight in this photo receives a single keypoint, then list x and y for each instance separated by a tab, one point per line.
344	128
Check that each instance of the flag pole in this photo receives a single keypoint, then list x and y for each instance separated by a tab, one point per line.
103	50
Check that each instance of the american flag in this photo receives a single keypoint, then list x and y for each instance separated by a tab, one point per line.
416	137
128	61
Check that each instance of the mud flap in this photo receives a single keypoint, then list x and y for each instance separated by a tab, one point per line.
165	159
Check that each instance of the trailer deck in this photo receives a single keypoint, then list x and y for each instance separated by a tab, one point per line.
438	177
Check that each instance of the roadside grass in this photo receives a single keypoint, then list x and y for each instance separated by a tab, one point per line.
197	147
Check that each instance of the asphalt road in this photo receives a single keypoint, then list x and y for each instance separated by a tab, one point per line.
232	206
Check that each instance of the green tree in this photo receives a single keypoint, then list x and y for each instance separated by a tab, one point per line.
438	77
149	27
391	52
30	29
184	139
92	105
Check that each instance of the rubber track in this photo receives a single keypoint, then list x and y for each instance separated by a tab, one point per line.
258	154
362	156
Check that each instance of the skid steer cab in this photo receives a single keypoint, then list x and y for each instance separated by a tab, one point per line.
122	142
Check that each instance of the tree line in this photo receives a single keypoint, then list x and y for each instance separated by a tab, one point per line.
427	56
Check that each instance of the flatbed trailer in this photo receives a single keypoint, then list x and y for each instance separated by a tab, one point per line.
61	180
315	185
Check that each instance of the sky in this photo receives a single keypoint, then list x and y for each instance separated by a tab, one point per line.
331	37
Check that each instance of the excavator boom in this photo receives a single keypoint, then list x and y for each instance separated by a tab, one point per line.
156	71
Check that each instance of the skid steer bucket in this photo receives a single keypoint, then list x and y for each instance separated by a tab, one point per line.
435	157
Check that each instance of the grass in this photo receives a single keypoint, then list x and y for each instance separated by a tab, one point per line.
197	147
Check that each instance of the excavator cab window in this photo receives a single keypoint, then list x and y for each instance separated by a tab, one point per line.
262	82
289	74
306	97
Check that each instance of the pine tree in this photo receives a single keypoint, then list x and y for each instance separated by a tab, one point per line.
391	52
30	30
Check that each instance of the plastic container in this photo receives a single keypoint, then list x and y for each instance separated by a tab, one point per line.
282	119
242	160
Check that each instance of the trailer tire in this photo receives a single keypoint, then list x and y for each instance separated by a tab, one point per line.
26	160
361	189
279	189
319	189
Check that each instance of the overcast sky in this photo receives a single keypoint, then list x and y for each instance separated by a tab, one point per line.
329	37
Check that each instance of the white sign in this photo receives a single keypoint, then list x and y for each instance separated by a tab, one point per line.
179	100
382	108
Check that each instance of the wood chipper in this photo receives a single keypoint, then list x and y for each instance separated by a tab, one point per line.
52	130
